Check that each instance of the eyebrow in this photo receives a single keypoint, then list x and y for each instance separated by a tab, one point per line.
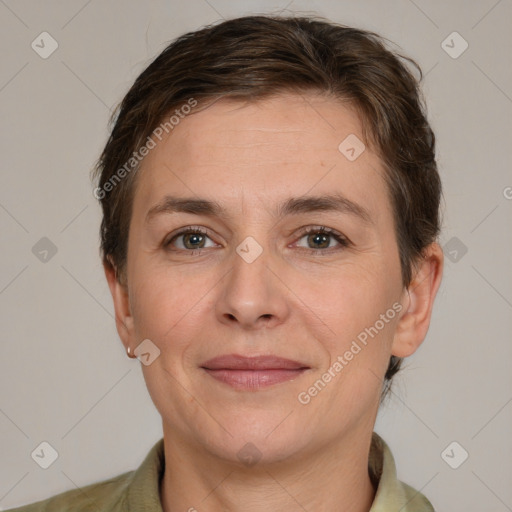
292	206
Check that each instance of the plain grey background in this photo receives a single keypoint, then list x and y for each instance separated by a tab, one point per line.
64	376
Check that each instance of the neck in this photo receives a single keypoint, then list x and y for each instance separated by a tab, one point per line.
333	478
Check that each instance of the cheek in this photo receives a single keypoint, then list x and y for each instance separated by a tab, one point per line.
355	306
164	304
361	321
175	311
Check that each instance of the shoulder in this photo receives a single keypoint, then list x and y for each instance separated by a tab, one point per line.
105	495
132	490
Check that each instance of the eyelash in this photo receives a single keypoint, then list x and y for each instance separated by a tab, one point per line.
344	242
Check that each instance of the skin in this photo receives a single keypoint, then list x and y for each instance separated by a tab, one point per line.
292	301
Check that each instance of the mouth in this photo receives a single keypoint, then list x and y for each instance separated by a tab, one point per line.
253	373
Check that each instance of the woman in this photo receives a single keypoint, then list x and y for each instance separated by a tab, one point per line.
270	219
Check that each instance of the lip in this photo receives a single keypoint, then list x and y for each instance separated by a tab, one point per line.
252	373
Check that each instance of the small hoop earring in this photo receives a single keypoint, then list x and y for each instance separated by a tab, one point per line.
128	351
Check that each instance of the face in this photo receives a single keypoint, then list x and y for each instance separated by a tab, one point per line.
264	270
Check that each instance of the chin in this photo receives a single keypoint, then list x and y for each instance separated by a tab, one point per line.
249	450
276	437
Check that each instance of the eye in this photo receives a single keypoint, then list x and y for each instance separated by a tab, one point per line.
320	238
189	239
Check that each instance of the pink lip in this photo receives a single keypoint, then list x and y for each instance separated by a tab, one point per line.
258	372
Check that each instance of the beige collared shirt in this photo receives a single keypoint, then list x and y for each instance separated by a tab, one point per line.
138	490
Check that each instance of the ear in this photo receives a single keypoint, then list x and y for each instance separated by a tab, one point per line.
413	324
124	319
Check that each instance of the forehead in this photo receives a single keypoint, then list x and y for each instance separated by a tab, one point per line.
287	145
290	126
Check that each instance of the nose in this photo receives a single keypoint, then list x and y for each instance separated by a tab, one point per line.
253	296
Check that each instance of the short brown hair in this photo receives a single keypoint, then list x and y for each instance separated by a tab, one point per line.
253	57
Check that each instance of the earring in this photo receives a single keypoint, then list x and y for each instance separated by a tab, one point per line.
128	352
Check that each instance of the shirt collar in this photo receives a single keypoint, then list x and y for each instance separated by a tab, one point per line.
143	491
391	494
144	487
